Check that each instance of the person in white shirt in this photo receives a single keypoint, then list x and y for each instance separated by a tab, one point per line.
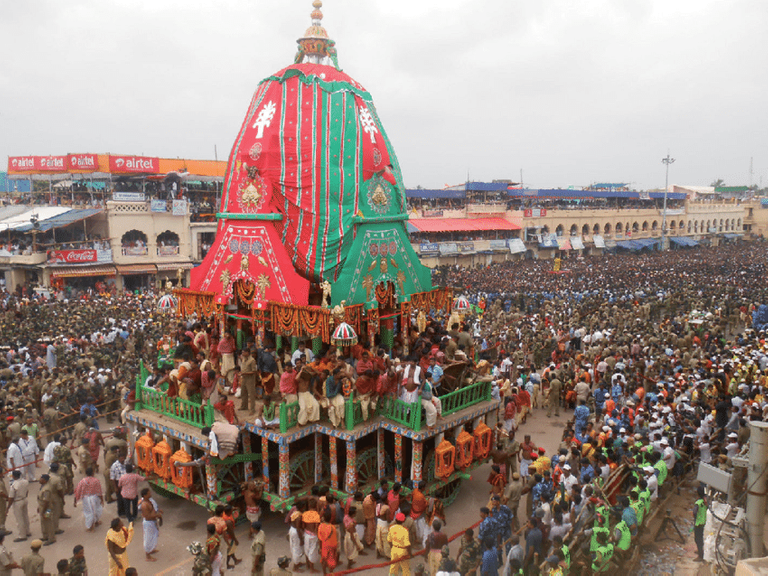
653	482
705	452
48	453
29	451
302	352
14	458
568	480
668	454
732	448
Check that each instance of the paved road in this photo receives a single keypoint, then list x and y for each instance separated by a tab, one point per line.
185	522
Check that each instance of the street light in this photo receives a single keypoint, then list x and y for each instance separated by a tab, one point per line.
667	161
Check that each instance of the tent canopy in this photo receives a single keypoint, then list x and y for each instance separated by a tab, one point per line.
459	224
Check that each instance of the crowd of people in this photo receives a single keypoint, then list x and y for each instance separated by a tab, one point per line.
655	356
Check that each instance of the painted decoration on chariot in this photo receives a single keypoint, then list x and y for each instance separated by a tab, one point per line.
379	196
313	166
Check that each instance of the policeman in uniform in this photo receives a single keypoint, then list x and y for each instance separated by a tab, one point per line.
18	499
699	520
33	563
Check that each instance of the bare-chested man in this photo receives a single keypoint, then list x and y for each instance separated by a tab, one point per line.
152	516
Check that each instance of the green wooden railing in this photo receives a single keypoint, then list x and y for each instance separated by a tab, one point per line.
289	416
185	411
353	412
402	412
465	397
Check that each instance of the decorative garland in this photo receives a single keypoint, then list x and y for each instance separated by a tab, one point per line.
353	315
191	302
385	295
246	291
292	320
439	299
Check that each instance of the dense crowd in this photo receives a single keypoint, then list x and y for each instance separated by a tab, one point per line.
654	354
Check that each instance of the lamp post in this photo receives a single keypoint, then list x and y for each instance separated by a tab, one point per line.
667	161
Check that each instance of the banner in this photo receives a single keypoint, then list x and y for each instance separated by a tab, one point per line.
129	196
179	207
159	206
466	247
71	256
432	213
79	256
134	165
499	245
86	162
535	213
167	250
429	248
448	248
37	164
517	246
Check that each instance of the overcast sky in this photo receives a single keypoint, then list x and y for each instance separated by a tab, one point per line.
571	92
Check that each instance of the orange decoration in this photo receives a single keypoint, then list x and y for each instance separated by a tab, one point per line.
465	450
181	476
144	447
161	460
483	436
445	455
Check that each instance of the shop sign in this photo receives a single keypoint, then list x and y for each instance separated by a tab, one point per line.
134	164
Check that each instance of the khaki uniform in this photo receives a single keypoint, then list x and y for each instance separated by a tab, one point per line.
3	503
32	564
57	491
6	559
20	494
45	509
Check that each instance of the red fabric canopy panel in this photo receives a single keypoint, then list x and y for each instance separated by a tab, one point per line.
252	251
461	224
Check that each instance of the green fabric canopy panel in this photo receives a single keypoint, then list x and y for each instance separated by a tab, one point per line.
312	150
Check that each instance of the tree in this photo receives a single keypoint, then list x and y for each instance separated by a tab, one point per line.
717	183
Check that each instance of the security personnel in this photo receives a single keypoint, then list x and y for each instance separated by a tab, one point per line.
33	563
558	544
661	466
623	538
699	520
638	506
45	509
600	528
645	496
601	557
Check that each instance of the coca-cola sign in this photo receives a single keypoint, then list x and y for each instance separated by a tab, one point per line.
88	162
134	164
71	256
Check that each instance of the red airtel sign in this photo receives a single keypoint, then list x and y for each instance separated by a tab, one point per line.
71	256
134	164
37	164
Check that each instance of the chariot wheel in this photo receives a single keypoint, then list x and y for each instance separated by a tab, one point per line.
302	470
448	493
368	467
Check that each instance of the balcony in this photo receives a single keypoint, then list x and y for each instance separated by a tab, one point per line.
134	251
167	251
487	208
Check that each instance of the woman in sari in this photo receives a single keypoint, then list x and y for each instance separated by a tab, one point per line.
329	539
118	538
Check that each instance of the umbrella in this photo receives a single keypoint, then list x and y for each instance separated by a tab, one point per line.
461	305
344	335
167	302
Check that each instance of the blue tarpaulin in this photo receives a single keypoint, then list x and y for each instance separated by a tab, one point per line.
420	193
683	241
628	245
61	220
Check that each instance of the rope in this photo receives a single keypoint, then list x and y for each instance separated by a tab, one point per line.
419	553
